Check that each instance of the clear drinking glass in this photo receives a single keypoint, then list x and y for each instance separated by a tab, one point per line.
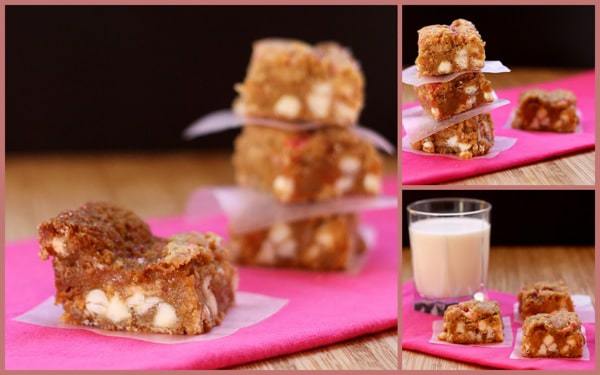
450	246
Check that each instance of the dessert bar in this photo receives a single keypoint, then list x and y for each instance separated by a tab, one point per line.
472	322
306	166
544	297
112	273
469	138
546	111
324	243
293	81
552	335
450	49
446	99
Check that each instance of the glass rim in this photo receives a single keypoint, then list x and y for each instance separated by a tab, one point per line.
487	206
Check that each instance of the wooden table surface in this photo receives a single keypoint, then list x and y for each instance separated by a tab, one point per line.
577	169
510	268
39	186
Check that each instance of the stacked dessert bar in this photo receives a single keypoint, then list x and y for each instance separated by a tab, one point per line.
455	49
315	94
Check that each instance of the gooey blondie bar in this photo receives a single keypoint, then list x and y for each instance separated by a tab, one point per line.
547	111
293	81
544	297
552	335
472	322
112	273
306	166
323	243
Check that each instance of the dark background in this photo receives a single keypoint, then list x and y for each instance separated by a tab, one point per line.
133	77
540	36
526	217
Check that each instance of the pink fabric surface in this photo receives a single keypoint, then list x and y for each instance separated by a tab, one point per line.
531	147
323	308
417	332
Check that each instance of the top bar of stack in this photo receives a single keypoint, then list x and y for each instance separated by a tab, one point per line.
293	81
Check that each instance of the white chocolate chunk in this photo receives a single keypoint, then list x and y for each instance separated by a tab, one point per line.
445	67
325	239
210	299
59	245
462	58
349	165
344	113
452	141
319	99
477	63
428	146
279	232
548	339
372	183
488	96
552	347
266	254
571	341
117	310
287	249
482	325
140	303
460	327
471	90
471	101
283	187
565	349
542	350
288	106
344	184
464	146
435	112
96	302
165	317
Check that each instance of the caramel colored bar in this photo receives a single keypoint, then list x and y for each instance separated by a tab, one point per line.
544	297
472	322
547	111
552	335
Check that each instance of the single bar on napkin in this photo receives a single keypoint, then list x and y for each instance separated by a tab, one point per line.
444	100
472	137
544	297
447	49
547	111
112	273
552	335
293	81
307	166
323	243
473	322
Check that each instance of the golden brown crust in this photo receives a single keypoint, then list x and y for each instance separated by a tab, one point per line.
544	297
552	335
306	166
291	80
469	138
547	111
112	273
449	49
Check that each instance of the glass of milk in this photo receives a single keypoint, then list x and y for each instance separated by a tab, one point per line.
450	247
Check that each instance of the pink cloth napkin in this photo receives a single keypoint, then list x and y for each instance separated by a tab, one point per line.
417	332
323	308
531	147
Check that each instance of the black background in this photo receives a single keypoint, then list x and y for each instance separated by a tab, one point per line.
526	217
133	77
541	36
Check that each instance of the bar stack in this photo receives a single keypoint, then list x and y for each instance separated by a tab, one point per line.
311	97
456	49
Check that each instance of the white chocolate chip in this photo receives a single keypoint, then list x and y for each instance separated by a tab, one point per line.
464	146
209	297
571	341
140	303
452	141
279	232
471	101
117	310
482	325
462	58
548	339
266	254
445	67
96	302
325	239
435	112
345	113
552	347
349	165
541	113
165	316
288	106
287	249
283	187
428	146
477	63
344	184
59	245
372	183
470	90
542	350
319	99
565	349
488	96
460	327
